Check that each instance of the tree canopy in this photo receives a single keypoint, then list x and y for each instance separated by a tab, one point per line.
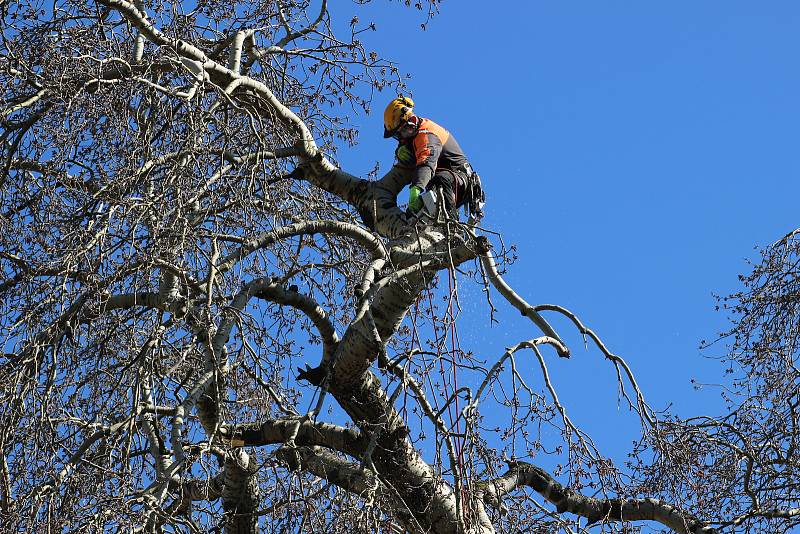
209	325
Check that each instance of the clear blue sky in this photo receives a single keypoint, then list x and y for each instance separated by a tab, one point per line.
634	152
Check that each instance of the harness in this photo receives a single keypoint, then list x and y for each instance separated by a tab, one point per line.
474	196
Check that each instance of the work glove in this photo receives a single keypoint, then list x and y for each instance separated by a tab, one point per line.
404	155
414	200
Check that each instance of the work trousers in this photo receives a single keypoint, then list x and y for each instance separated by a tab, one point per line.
452	187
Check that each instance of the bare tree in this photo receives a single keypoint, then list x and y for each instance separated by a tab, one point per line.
748	458
176	241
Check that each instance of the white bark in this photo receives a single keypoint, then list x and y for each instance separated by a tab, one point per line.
403	259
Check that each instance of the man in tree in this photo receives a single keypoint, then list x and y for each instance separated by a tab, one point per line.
159	273
438	159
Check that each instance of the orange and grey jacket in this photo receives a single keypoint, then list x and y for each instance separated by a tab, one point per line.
434	148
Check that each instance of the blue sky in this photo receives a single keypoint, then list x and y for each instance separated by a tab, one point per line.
634	152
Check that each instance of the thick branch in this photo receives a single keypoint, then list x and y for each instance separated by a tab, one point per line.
389	299
523	474
276	293
240	494
308	432
369	241
325	174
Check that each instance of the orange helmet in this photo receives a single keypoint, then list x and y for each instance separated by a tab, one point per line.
397	112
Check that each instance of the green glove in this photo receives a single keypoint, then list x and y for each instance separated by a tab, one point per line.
404	155
414	202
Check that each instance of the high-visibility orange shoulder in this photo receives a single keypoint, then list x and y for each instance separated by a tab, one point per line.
424	146
434	148
430	126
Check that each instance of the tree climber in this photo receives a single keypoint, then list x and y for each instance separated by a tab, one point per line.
437	157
